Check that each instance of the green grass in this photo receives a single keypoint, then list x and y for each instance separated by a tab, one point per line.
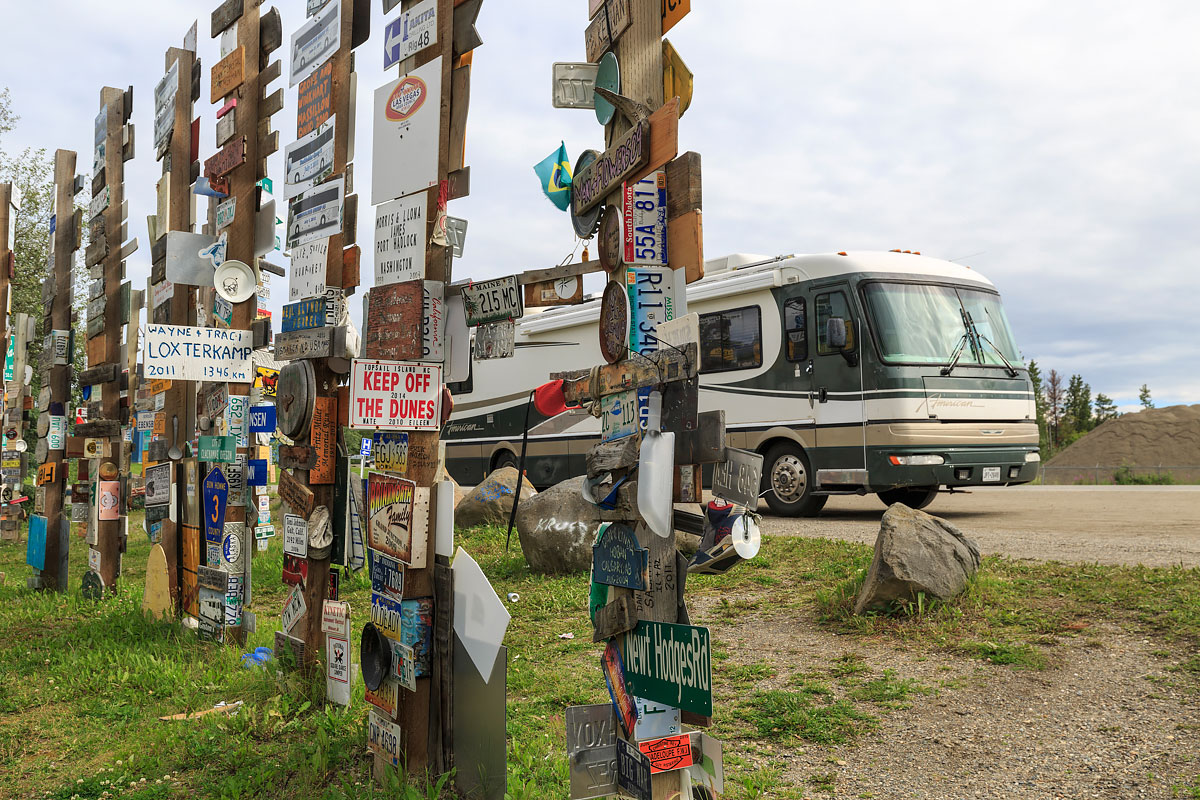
82	685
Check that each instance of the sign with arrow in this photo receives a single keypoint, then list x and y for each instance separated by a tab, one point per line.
410	33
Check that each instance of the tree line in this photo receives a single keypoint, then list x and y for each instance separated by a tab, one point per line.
1066	409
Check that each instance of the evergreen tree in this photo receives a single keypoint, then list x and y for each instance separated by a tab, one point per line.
1039	404
1078	411
1144	397
1056	397
1106	409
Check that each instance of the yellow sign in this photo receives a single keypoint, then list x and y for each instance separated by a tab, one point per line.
265	379
673	11
159	386
677	78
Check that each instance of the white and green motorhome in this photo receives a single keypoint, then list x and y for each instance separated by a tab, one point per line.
892	373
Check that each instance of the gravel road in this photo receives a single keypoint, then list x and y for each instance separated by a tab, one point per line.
1152	525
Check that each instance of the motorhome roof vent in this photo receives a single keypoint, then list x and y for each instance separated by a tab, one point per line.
731	262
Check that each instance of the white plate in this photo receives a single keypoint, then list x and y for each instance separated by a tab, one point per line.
991	474
745	535
235	281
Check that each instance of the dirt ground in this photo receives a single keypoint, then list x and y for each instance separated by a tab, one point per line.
1151	525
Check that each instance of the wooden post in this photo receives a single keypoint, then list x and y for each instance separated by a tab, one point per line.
58	291
104	349
252	129
180	401
13	409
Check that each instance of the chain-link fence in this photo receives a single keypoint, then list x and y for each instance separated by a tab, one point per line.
1101	474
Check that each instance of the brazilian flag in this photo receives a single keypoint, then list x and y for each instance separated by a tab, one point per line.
554	171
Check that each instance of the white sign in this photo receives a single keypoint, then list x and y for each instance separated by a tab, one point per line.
309	159
316	213
56	436
226	212
400	240
175	352
94	560
295	535
235	413
163	292
294	609
145	421
395	395
407	114
410	33
164	105
308	270
434	332
315	42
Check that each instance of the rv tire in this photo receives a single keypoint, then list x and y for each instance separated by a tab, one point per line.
787	482
912	496
505	458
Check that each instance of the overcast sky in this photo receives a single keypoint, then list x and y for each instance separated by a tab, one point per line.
1051	146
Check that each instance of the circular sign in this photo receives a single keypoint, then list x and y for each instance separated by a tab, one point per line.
565	288
231	548
295	396
22	445
7	493
585	224
611	241
92	586
10	434
614	322
608	76
43	424
91	448
44	398
234	281
320	534
108	471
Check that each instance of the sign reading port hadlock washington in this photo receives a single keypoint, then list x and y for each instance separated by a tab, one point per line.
175	352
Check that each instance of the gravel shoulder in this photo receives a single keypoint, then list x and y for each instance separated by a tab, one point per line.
1151	525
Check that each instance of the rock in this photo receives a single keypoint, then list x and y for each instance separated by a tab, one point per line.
491	502
557	529
916	552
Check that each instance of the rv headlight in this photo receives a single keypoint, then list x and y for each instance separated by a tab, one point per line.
1034	456
916	461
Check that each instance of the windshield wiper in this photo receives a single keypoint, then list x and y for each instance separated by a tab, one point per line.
962	343
1012	372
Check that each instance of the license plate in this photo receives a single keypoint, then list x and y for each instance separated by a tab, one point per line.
991	474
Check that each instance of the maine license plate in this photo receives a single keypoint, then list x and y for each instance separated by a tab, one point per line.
991	474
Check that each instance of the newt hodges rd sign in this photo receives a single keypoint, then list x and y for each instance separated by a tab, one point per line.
670	664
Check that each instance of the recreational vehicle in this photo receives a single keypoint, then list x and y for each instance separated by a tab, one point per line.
889	373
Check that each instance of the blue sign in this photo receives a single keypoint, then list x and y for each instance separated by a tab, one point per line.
35	551
216	492
262	419
618	559
409	33
53	227
387	576
304	315
364	448
256	472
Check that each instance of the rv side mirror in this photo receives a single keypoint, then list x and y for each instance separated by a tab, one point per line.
835	332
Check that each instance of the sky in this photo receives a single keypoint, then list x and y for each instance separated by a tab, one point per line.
1051	146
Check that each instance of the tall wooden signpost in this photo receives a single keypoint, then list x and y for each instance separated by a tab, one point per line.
18	405
54	398
239	86
13	409
107	315
174	416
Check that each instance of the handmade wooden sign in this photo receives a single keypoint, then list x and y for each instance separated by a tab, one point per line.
228	74
557	292
315	100
394	319
323	438
198	354
316	343
231	156
304	315
297	456
298	497
618	559
595	181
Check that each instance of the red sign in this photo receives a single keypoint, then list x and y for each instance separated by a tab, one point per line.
668	753
295	570
231	156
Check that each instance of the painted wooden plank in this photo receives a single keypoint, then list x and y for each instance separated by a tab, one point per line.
629	154
227	75
684	185
664	138
225	15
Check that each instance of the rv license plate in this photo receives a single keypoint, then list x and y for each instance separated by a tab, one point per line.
991	474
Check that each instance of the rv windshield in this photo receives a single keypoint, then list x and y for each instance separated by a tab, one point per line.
923	323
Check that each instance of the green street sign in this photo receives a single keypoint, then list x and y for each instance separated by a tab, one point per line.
670	664
218	449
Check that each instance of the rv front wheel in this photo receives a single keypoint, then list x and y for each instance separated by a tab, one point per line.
911	496
788	484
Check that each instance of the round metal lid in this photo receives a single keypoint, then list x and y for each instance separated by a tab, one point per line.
235	281
614	322
608	76
296	392
610	240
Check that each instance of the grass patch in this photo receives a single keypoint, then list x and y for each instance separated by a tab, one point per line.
888	690
780	716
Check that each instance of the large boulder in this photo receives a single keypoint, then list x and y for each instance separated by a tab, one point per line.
490	503
916	552
557	529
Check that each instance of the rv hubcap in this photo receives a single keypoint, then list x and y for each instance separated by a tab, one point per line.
788	479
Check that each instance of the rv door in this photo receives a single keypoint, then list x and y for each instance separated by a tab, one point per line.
837	384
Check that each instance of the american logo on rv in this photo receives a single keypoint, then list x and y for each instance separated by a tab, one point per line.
406	99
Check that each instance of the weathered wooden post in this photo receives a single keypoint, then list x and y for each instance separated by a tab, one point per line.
18	405
244	220
56	368
13	382
176	141
107	314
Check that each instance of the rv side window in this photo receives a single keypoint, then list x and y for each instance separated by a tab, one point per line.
731	340
465	387
833	304
795	330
